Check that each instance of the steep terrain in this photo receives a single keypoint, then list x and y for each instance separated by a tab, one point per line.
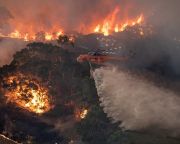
75	116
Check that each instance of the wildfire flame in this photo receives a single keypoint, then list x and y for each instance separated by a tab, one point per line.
81	113
31	36
110	25
27	93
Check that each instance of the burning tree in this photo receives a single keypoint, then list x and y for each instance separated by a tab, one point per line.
27	93
112	24
54	76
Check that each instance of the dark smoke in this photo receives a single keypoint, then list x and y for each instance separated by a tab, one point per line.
129	95
71	14
80	14
143	93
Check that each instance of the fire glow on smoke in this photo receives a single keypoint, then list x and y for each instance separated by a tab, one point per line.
115	21
31	36
111	24
27	93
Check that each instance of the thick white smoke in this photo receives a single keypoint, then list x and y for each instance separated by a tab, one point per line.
137	103
8	48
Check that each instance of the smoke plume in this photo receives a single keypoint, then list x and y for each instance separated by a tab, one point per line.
80	15
83	15
137	103
8	48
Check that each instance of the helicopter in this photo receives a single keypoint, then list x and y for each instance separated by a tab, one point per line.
100	57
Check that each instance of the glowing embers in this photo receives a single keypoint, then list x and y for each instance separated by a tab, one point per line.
32	36
81	113
112	24
27	93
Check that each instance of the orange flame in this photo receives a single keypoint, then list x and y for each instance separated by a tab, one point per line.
110	23
48	36
27	93
81	113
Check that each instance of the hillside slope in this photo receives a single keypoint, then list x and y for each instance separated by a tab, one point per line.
71	90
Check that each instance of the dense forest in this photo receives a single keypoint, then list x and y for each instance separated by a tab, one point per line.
72	90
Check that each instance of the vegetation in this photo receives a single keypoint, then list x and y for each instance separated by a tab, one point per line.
71	88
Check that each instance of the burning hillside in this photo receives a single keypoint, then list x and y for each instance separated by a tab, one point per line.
75	114
49	97
109	25
48	25
112	24
27	93
32	36
43	84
